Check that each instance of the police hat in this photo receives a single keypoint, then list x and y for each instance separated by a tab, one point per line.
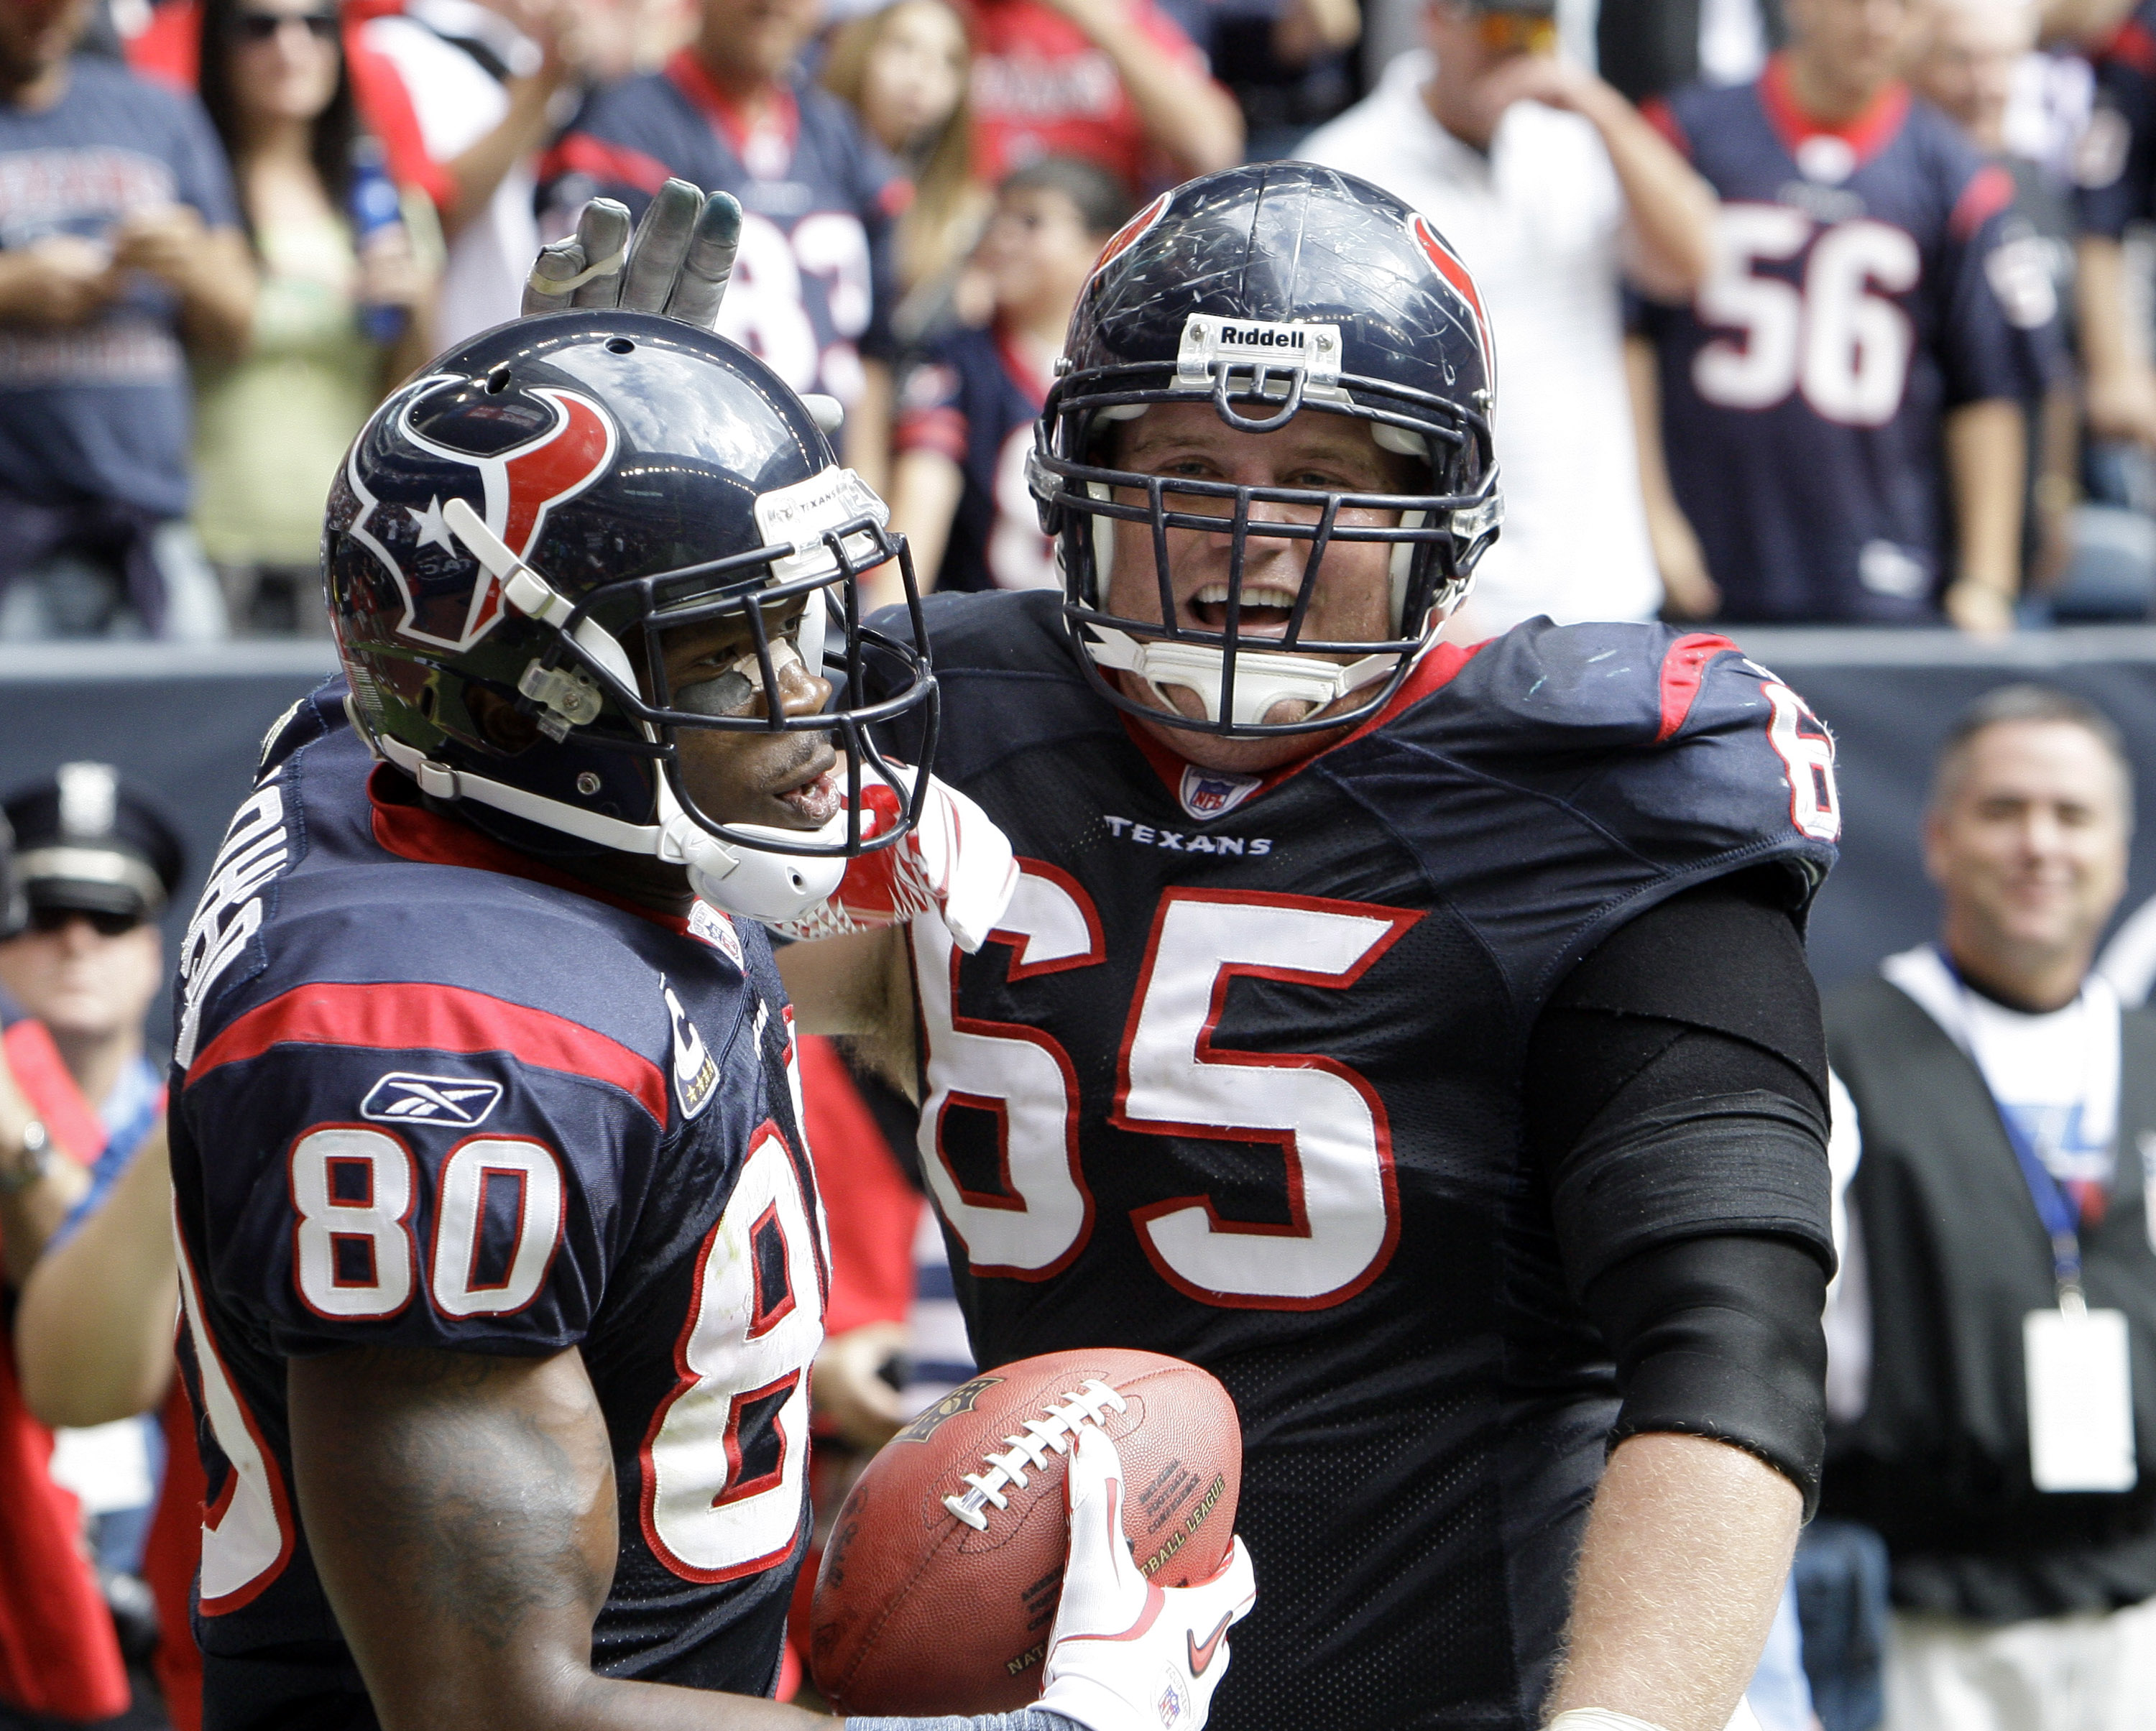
85	840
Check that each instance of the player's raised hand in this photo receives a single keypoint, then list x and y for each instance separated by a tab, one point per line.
676	264
1125	1655
956	862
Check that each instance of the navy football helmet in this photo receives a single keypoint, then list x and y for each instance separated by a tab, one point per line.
1271	290
530	515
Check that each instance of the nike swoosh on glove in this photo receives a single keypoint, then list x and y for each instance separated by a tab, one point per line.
956	862
1125	1655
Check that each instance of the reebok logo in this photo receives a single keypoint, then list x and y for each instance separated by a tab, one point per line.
457	1102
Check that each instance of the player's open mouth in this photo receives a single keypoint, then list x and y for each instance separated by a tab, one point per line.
1265	612
816	798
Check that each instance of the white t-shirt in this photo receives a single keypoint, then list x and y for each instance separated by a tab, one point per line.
457	102
1539	222
2055	1076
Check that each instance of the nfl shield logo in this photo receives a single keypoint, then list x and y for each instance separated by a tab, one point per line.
1208	793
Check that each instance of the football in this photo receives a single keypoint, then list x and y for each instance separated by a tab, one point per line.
940	1582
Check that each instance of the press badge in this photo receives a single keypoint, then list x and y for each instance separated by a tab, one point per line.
2080	1400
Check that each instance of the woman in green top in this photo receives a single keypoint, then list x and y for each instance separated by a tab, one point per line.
342	314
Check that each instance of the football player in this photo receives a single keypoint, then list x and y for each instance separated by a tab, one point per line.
1842	400
1419	1038
502	1267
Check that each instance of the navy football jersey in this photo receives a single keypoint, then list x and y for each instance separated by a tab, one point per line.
814	283
1863	288
2115	163
1237	1078
975	399
427	1094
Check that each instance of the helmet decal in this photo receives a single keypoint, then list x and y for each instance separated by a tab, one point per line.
1455	271
520	486
1125	238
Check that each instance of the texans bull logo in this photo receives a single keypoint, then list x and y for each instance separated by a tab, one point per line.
1462	284
519	486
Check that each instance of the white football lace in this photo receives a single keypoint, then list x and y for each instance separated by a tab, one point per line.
1055	1433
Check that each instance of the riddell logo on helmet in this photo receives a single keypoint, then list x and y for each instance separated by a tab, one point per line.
519	487
1263	336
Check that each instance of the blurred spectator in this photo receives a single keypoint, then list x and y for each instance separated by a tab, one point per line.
966	418
341	316
119	256
1841	403
1998	1424
484	81
1974	57
1114	80
1648	48
1552	189
98	860
1284	61
904	69
813	287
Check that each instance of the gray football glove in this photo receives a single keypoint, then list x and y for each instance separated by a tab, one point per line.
676	264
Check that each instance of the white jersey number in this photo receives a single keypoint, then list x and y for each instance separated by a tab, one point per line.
247	1533
1334	1142
1807	753
1839	339
764	311
710	1511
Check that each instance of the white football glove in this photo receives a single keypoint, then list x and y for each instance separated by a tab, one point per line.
956	862
677	264
1125	1655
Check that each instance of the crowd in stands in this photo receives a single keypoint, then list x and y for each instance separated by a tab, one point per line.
1909	383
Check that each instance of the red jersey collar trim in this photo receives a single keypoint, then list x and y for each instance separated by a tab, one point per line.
1015	363
426	838
1432	673
689	77
1866	133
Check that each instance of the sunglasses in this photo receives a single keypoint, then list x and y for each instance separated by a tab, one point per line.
1506	30
254	27
52	921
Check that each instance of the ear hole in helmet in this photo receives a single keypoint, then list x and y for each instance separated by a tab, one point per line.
497	381
620	346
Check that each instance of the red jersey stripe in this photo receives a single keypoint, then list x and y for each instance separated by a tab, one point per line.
398	1016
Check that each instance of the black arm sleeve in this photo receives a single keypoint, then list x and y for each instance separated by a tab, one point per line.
1676	1090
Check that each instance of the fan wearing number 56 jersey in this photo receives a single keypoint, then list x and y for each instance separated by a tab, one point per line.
503	1265
1842	402
1418	1038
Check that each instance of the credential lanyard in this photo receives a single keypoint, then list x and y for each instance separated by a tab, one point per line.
2057	1215
2055	1212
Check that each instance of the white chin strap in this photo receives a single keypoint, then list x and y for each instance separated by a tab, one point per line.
1263	679
760	885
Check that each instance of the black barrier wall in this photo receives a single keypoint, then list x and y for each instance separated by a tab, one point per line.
188	724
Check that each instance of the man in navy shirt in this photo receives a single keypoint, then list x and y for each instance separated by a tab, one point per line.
1841	402
120	255
813	285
